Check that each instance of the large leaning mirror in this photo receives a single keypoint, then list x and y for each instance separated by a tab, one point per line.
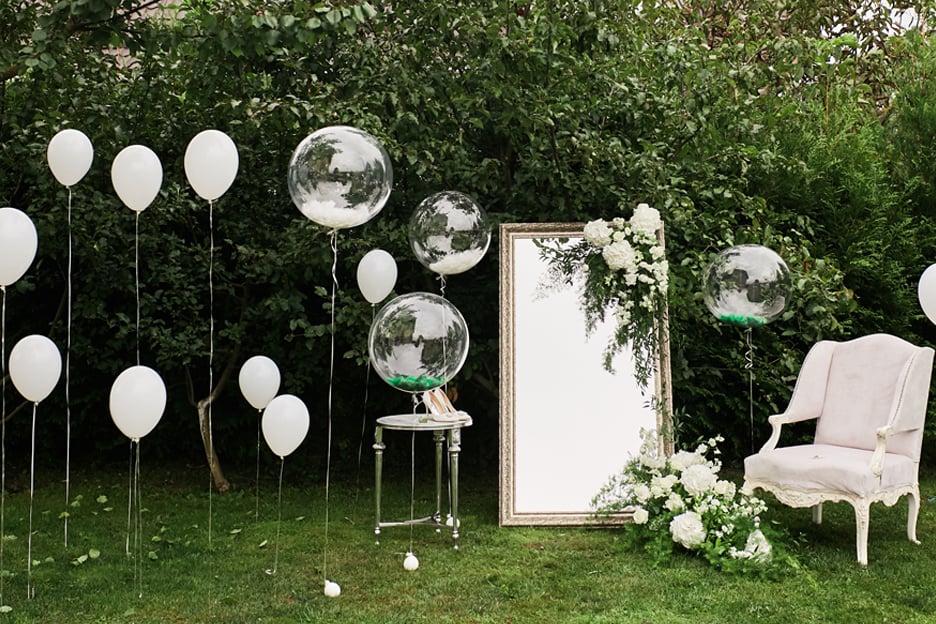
566	423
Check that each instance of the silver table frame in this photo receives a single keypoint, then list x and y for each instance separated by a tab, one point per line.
442	431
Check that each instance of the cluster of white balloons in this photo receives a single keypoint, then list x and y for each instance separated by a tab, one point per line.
285	420
138	395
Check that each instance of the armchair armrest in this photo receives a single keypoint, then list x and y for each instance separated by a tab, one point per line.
777	421
880	448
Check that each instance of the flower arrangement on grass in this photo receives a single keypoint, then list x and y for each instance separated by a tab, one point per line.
620	266
680	501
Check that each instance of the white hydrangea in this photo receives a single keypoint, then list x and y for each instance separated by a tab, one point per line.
725	489
598	233
683	459
640	516
645	220
687	529
619	255
698	479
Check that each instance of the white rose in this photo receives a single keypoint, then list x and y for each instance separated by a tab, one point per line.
640	516
645	219
725	489
698	479
687	529
620	255
642	493
674	502
597	233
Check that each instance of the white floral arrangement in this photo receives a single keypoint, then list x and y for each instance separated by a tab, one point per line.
681	501
621	268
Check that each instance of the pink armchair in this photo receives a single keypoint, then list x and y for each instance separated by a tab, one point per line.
869	398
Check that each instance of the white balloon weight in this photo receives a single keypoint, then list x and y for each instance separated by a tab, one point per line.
340	177
376	275
926	290
259	380
285	424
211	163
449	233
746	285
418	341
137	174
18	243
35	367
332	589
70	154
137	401
410	562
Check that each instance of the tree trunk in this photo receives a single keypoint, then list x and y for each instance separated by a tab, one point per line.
220	483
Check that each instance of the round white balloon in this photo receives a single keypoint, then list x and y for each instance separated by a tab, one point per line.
410	562
926	290
211	163
259	380
70	154
137	401
285	424
136	174
35	367
376	275
18	243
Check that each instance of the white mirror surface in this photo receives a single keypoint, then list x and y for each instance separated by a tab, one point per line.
567	424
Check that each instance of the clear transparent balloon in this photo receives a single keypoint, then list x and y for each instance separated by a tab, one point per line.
340	177
747	285
449	233
418	341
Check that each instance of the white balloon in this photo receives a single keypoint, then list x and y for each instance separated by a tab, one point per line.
18	243
259	380
70	154
211	163
376	275
137	176
137	401
410	562
285	424
35	367
926	290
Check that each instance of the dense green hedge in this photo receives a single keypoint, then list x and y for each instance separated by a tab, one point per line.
738	127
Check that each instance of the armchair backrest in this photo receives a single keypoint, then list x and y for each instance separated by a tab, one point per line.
873	381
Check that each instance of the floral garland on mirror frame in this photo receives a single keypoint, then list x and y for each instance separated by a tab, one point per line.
680	501
619	266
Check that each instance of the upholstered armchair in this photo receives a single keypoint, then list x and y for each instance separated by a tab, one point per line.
868	397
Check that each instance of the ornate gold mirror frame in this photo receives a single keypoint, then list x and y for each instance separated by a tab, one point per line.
566	424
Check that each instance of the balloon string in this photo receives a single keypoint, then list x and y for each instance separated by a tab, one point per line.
129	498
68	370
136	272
138	531
30	590
749	365
211	456
2	432
279	516
360	451
412	494
331	377
257	486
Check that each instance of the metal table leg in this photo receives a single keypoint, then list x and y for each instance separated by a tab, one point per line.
379	447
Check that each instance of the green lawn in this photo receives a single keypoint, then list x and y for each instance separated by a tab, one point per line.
502	575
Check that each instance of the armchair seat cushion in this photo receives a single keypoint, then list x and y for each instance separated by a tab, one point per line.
823	468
